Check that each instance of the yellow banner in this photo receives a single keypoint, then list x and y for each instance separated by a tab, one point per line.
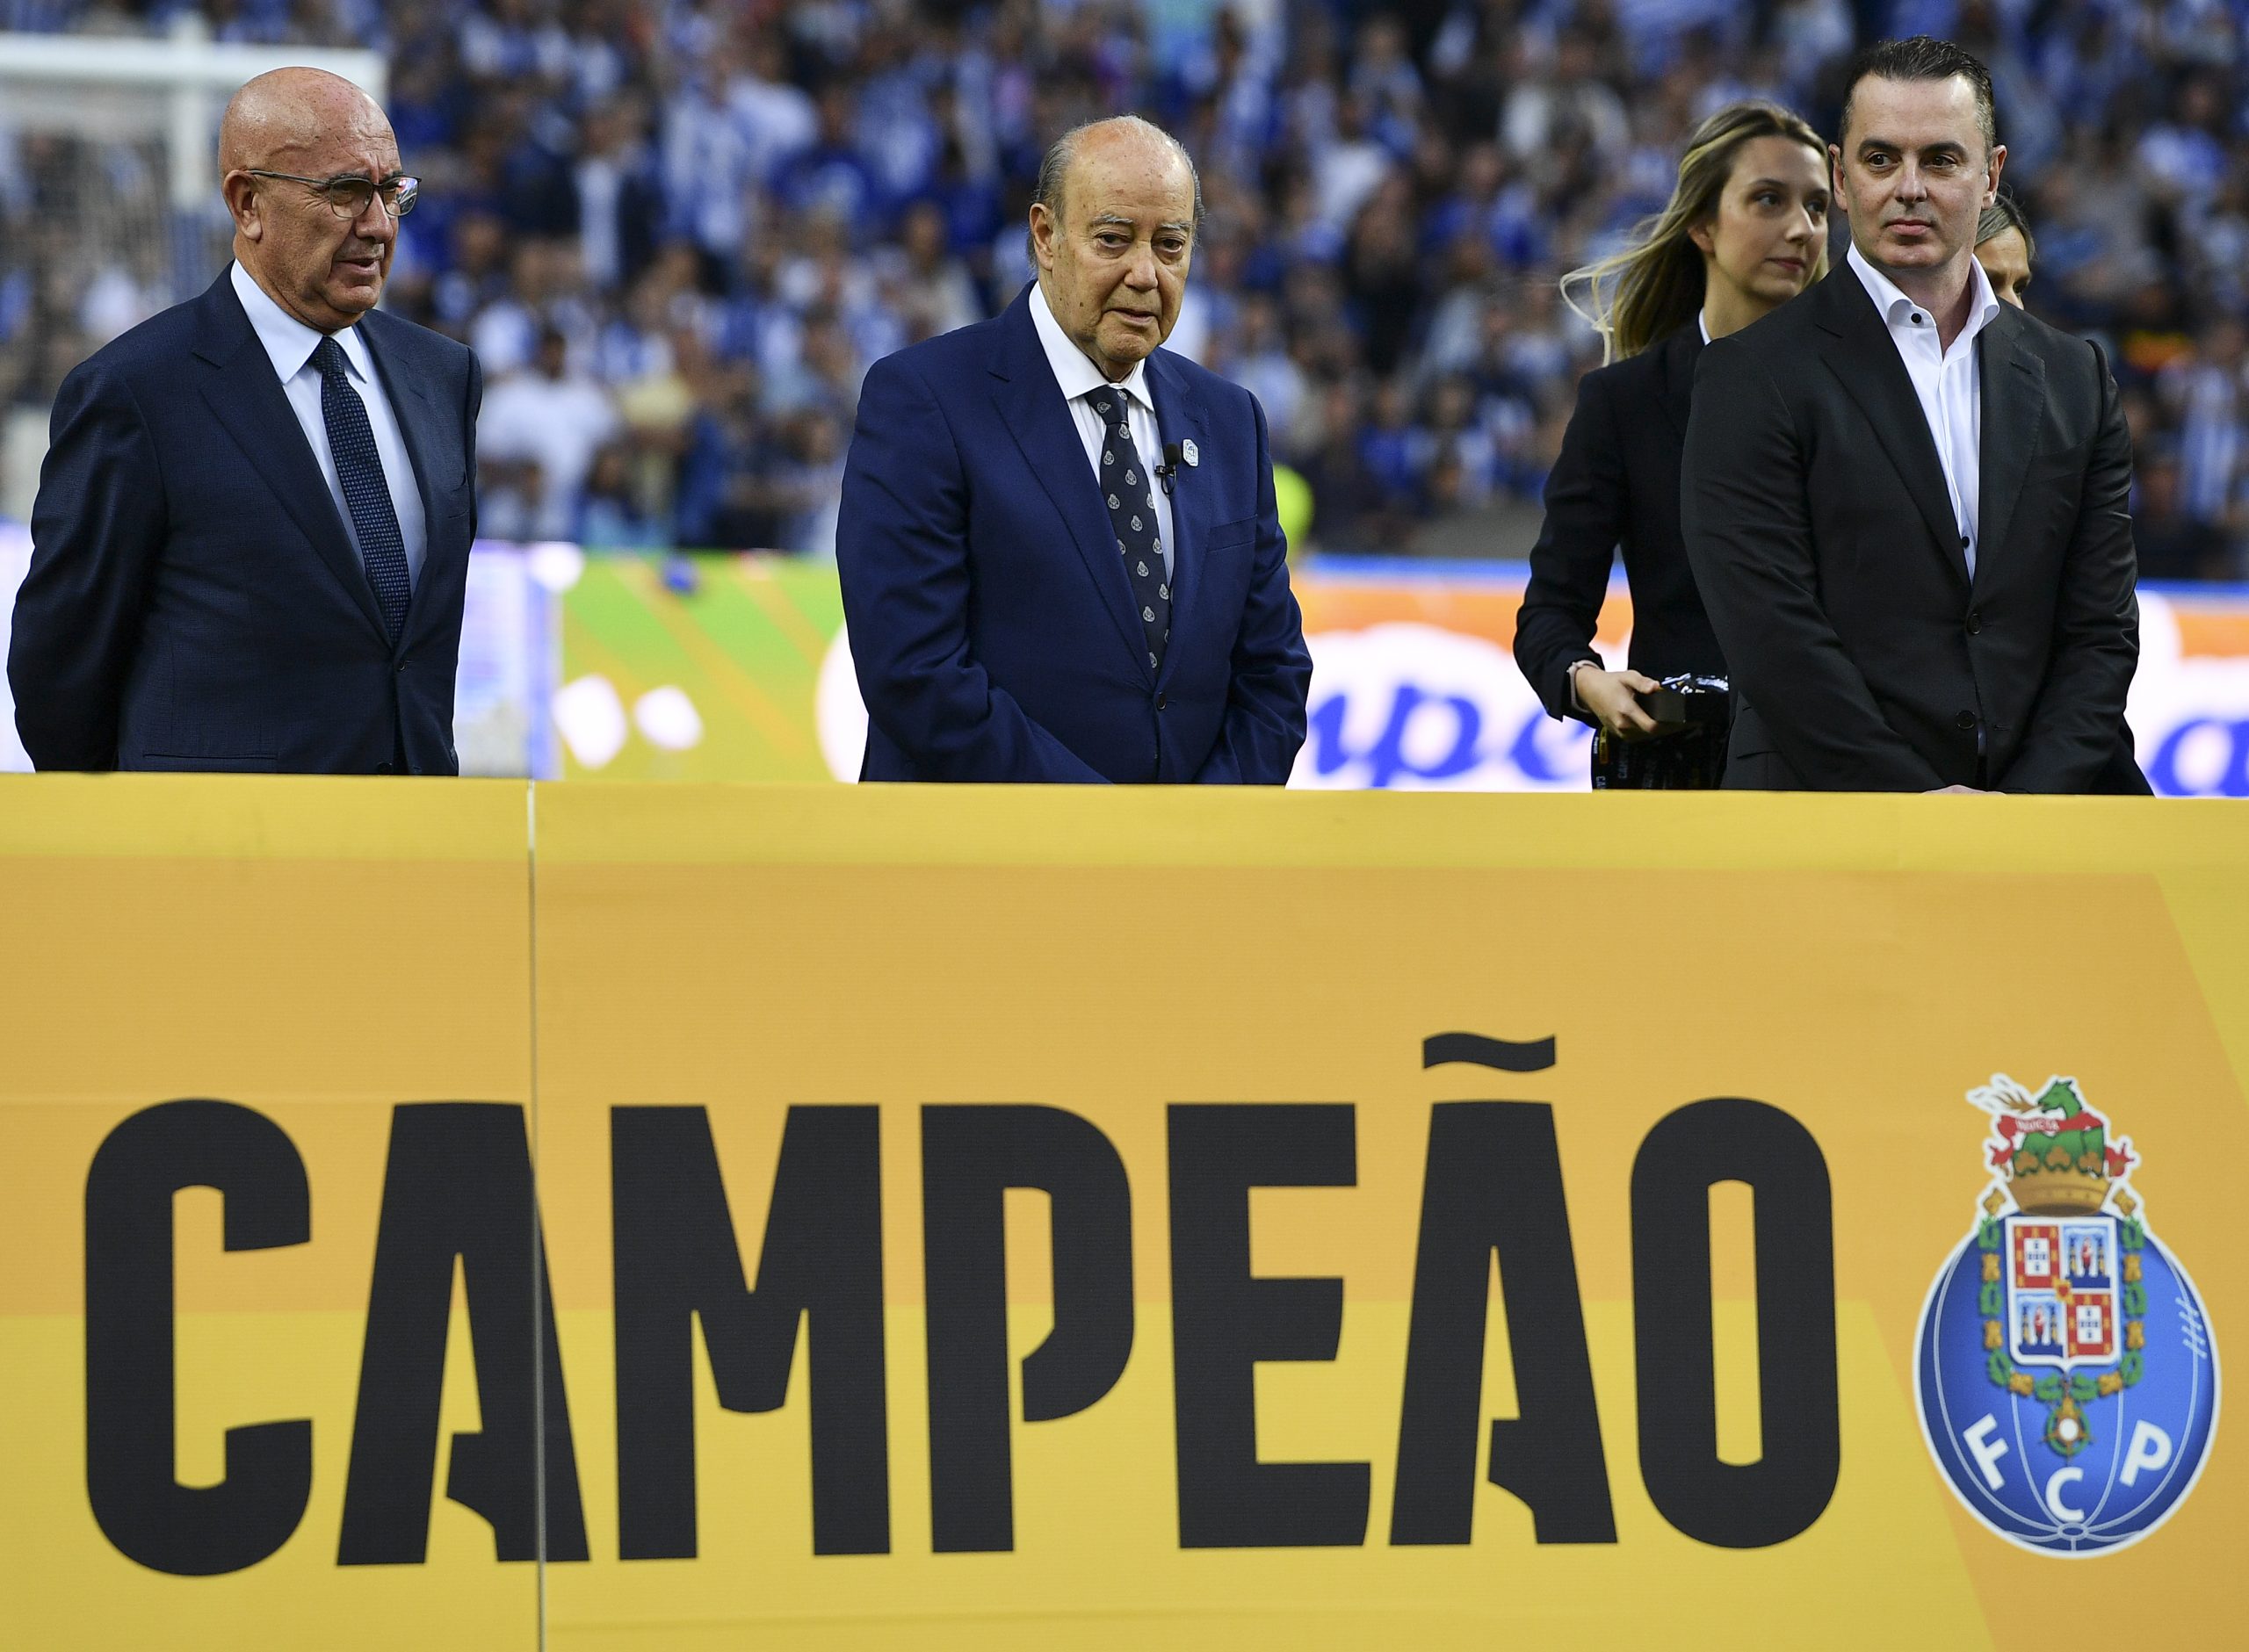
1003	1219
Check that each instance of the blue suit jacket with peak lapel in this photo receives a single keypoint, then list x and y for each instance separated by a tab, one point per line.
194	600
991	619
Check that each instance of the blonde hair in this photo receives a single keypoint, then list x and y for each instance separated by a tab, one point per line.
1635	297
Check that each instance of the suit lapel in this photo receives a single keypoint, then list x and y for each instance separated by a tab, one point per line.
416	422
1679	353
1030	403
1864	359
1179	420
239	385
2013	392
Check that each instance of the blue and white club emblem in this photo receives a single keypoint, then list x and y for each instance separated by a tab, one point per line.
2064	1371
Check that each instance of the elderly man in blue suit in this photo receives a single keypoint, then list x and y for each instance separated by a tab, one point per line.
252	537
1060	554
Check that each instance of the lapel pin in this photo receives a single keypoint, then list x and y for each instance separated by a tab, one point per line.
1186	450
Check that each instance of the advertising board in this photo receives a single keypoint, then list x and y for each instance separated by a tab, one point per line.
672	1217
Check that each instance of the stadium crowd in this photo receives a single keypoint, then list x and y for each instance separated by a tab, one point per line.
677	233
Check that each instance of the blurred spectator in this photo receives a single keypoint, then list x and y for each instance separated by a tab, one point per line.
727	212
2174	544
2207	390
928	287
722	495
620	200
611	516
550	418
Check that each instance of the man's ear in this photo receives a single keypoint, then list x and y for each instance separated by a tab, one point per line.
1043	228
1835	177
1992	180
240	192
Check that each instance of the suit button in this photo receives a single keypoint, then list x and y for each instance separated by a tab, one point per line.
382	769
1161	701
1975	621
399	670
1966	720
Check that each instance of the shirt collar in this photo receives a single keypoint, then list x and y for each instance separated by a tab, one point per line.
289	342
1074	371
1895	307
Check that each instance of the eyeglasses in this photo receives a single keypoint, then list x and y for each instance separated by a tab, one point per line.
348	195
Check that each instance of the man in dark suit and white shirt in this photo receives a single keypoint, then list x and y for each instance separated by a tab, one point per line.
1905	503
1060	559
252	537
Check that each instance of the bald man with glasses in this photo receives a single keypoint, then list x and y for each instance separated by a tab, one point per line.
252	537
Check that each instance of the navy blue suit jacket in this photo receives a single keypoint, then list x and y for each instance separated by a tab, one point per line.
193	601
991	619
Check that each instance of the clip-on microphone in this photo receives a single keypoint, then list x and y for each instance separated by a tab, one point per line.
1170	469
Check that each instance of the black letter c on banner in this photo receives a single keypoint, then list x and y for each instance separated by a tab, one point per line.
190	1531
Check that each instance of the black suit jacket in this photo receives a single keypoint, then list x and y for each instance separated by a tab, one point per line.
193	601
1863	657
1616	485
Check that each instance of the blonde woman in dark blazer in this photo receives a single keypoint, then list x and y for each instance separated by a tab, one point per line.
1746	230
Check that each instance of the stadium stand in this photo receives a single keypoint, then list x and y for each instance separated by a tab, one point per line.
678	233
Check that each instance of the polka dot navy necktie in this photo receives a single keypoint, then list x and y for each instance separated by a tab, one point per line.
360	467
1130	493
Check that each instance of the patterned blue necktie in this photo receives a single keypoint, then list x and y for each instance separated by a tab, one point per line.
1130	493
360	467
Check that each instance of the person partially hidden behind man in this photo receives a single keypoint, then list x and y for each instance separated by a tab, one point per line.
1058	550
251	535
1906	501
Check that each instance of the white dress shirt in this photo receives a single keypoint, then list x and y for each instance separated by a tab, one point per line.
1077	375
289	345
1949	383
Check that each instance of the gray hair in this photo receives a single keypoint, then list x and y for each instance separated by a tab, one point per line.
2005	213
1055	165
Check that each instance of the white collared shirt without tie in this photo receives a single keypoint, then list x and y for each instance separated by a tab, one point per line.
1079	377
1949	384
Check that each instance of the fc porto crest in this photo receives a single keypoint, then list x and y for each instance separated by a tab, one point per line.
2065	1374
